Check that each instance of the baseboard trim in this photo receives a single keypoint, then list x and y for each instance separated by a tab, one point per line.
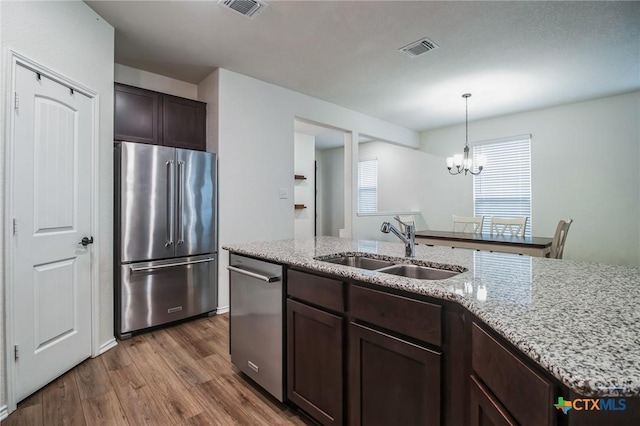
108	345
4	413
222	310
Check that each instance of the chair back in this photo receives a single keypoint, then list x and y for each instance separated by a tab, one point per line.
472	225
515	227
403	220
559	239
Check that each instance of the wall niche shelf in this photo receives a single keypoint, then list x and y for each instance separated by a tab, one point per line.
299	177
299	206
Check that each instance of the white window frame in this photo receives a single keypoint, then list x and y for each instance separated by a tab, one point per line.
368	186
504	181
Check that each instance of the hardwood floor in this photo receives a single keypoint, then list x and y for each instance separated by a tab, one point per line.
181	375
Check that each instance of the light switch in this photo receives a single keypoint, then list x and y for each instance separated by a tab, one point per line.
284	193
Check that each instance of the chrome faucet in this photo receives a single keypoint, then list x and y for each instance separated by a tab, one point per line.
408	238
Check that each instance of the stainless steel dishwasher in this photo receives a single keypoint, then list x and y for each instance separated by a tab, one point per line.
256	324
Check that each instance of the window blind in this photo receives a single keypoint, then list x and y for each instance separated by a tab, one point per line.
503	189
368	186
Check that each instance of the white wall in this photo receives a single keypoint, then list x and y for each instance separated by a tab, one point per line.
319	196
156	82
404	177
331	190
255	147
400	176
71	39
208	92
304	189
584	160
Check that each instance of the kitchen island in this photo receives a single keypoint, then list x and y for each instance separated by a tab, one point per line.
577	321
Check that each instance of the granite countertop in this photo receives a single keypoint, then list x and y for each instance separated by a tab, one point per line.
578	320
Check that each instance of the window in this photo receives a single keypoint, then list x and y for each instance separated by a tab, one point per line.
503	189
368	186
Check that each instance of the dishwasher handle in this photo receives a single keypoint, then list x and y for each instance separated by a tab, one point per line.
253	274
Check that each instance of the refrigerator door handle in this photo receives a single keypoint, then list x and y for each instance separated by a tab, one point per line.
170	212
181	189
135	269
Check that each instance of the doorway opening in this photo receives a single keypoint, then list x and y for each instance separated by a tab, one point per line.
320	179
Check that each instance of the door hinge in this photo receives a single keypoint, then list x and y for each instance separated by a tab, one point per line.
16	101
15	227
16	352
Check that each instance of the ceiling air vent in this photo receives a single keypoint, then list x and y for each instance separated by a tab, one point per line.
248	8
419	47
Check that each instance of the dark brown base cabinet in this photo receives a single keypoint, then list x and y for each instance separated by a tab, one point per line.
315	346
413	360
315	362
145	116
527	395
485	409
391	381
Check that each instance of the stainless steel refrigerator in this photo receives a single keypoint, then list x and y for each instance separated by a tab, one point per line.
165	235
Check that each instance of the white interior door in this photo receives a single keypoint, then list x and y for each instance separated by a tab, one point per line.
52	207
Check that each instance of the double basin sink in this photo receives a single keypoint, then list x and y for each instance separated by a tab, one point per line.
390	267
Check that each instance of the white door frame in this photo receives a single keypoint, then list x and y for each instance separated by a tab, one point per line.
15	59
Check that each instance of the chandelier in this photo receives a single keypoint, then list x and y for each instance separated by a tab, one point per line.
462	162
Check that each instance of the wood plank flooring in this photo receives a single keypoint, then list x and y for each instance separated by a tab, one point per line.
180	375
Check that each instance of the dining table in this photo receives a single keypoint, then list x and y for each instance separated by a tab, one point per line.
532	246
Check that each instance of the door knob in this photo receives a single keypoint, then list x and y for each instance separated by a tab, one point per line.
86	241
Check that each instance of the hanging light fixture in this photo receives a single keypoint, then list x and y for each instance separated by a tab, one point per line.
462	162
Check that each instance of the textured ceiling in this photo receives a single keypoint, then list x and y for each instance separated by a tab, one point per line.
512	56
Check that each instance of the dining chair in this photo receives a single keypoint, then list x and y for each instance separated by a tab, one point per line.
515	226
405	219
560	237
472	225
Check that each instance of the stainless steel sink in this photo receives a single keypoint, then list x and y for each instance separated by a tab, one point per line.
391	267
419	272
360	262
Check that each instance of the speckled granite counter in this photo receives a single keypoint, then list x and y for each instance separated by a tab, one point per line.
578	320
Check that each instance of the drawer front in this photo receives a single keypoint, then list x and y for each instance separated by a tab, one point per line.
319	291
151	297
413	318
524	393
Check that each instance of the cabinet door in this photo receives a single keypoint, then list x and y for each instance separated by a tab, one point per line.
502	370
485	409
391	381
184	123
136	115
314	365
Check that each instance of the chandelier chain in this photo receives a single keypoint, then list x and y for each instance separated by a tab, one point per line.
466	120
464	163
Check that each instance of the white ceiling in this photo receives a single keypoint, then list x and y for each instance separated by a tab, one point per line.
512	56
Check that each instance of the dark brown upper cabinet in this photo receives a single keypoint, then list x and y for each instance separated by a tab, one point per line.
137	115
183	123
156	118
